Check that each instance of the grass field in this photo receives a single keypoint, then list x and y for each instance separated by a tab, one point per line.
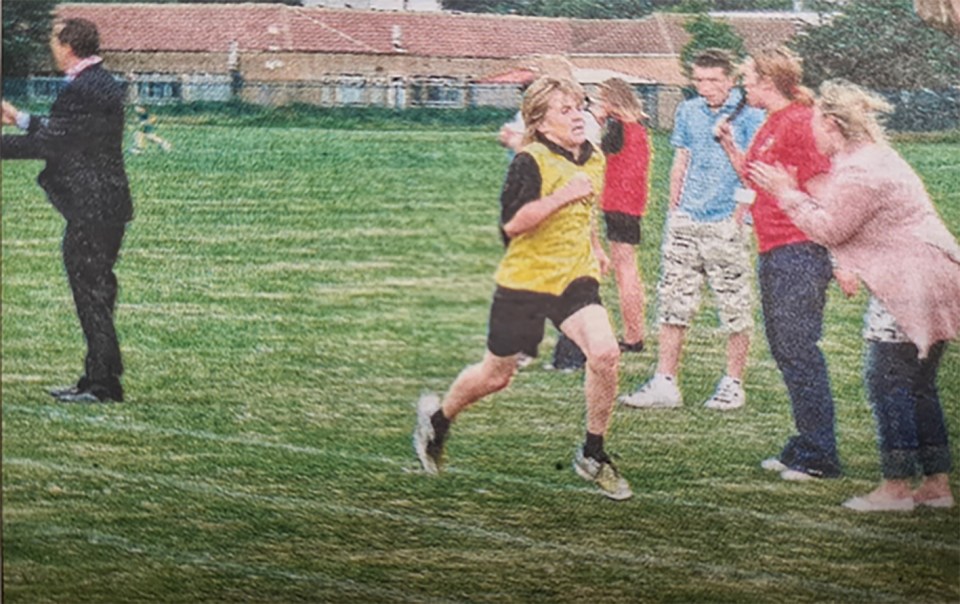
286	294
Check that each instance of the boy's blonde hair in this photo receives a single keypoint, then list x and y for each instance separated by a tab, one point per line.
536	101
856	111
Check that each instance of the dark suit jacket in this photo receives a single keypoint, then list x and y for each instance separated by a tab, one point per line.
82	143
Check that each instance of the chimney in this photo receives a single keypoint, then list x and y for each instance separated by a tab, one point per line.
397	38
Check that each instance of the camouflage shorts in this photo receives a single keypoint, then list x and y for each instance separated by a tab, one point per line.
880	326
715	252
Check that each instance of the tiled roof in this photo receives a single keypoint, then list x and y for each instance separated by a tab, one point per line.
264	27
640	36
514	76
276	27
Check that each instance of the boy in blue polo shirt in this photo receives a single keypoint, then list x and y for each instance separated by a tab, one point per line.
705	238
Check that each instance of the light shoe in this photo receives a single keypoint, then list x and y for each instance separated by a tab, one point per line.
423	434
944	502
796	475
603	474
773	465
728	396
787	473
524	361
864	504
660	392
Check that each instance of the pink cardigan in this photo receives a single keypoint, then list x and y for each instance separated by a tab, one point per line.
874	215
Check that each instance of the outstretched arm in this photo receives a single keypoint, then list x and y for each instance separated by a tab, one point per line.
841	208
75	122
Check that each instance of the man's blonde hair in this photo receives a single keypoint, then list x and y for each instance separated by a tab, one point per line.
856	111
536	101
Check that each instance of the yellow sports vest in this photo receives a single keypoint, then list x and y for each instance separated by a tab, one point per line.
558	251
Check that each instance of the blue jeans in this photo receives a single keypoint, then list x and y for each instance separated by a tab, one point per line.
902	389
793	285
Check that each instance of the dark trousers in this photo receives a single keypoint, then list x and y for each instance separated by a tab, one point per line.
911	431
90	251
793	285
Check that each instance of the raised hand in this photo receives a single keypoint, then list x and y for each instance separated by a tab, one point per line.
9	114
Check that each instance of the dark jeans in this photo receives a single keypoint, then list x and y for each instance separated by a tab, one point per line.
793	284
911	432
90	251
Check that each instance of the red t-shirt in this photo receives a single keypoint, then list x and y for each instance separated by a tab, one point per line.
786	138
627	149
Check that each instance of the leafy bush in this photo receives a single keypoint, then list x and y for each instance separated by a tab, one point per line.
345	118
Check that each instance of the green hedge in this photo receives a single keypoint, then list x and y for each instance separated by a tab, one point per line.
347	118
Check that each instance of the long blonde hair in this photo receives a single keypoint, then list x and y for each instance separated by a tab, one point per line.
785	70
621	100
536	101
856	111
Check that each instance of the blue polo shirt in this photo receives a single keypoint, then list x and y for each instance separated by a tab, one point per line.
710	180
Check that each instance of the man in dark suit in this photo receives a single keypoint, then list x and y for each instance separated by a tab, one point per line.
82	143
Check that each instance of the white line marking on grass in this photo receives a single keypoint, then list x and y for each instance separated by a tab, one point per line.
791	522
13	378
343	586
628	558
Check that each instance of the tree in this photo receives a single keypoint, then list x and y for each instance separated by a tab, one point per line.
709	33
486	6
576	9
26	36
591	9
686	6
879	44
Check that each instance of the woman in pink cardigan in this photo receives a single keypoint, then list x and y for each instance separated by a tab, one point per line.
874	215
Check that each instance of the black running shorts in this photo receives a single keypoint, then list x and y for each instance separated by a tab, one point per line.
622	228
517	316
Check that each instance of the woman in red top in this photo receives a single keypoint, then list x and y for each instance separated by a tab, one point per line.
626	182
794	272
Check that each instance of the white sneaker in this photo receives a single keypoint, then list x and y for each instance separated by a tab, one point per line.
603	474
660	392
423	433
728	396
792	475
773	465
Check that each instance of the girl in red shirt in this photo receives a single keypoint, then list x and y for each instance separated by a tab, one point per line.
794	272
626	184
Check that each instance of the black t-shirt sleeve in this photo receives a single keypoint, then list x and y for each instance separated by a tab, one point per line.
522	186
612	141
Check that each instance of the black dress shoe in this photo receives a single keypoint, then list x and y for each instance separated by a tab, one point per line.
90	394
82	384
63	391
627	347
80	396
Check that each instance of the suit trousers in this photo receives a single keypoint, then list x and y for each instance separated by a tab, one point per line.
90	250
